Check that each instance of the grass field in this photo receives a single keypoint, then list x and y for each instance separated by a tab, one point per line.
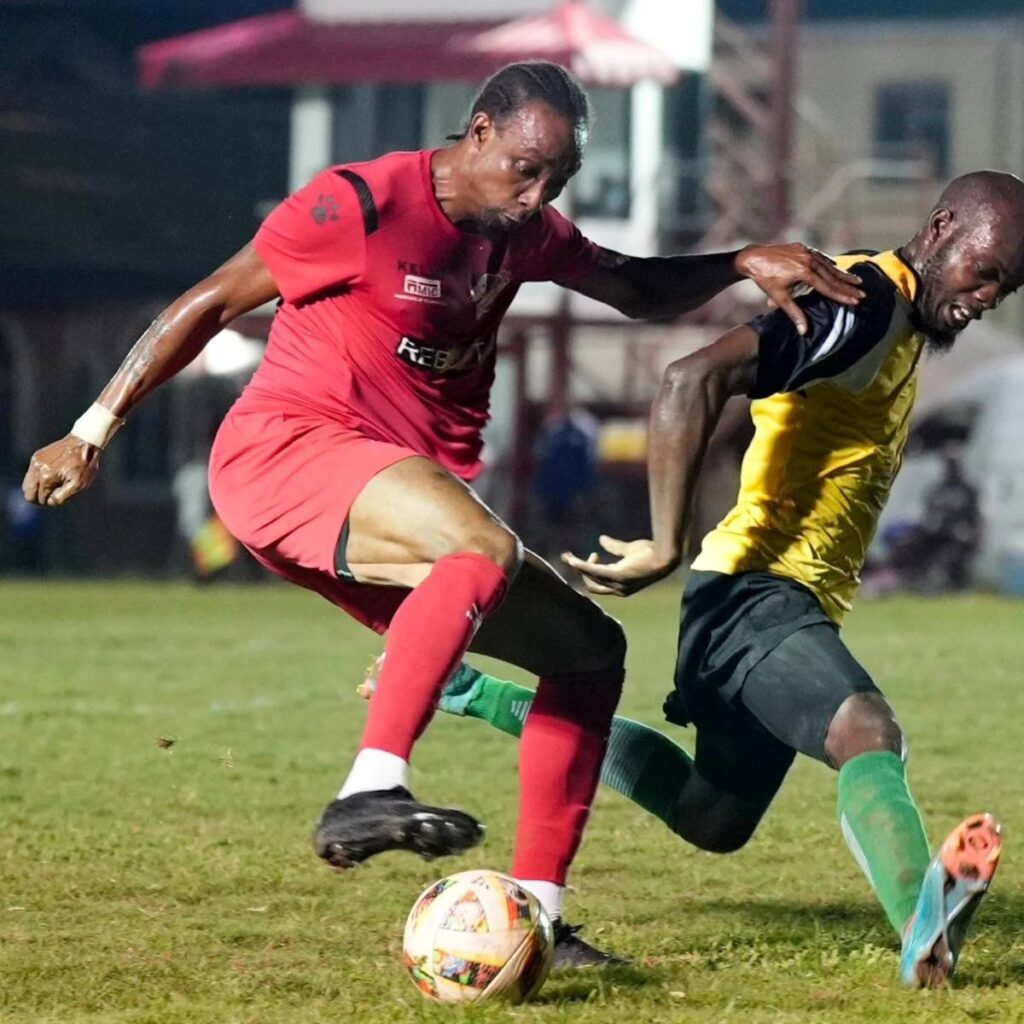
172	884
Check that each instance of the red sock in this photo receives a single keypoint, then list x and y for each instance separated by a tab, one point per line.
560	755
427	638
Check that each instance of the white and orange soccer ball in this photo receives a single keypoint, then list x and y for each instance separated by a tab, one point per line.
478	935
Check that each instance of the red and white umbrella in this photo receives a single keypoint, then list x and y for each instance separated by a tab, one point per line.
597	48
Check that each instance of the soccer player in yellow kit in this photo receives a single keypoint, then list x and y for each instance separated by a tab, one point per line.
762	671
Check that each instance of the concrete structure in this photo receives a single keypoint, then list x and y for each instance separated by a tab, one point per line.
889	110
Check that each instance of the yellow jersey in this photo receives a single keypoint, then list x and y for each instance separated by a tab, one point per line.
831	415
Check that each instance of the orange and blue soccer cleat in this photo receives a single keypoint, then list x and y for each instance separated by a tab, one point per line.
957	878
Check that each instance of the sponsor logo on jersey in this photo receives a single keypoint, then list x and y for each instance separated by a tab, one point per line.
418	288
419	269
443	360
422	287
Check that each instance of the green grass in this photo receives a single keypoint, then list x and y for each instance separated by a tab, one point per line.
177	885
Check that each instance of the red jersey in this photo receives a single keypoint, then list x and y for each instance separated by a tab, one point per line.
390	312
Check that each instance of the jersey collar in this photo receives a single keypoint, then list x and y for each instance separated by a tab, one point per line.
900	273
427	178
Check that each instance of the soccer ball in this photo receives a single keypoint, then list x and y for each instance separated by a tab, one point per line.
478	935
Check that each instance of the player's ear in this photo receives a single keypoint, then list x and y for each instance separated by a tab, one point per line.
481	128
941	223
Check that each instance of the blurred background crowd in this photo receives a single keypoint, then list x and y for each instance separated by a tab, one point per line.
144	140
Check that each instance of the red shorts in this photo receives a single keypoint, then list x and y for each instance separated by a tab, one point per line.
283	481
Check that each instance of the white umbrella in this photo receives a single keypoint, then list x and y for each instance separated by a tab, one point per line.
598	49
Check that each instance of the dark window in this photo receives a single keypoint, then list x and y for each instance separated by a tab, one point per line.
912	123
370	120
683	208
399	121
602	187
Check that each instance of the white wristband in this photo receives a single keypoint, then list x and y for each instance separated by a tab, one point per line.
97	425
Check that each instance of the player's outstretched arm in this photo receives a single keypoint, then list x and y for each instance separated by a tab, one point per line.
685	412
62	469
659	287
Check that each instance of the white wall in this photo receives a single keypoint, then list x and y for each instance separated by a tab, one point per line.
310	147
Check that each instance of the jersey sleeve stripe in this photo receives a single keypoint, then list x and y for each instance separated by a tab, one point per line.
839	338
841	330
365	197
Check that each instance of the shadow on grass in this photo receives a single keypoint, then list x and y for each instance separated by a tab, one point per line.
849	926
582	984
1009	975
792	916
997	926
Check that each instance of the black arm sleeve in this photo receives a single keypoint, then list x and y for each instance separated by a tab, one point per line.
838	336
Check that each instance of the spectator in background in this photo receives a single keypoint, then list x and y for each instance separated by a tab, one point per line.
952	523
566	470
211	548
934	555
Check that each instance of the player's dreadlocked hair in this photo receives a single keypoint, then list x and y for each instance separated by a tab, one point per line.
533	81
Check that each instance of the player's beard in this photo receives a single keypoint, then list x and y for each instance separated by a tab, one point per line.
940	338
494	222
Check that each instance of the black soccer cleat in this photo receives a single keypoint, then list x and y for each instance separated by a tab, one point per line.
365	824
572	951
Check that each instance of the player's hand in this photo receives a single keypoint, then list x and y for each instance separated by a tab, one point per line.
778	269
638	566
60	470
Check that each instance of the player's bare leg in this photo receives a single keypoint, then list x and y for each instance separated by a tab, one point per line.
415	513
578	651
410	523
414	525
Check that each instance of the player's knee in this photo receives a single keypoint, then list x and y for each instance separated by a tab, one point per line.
727	841
719	836
609	638
615	639
592	639
863	723
499	546
715	820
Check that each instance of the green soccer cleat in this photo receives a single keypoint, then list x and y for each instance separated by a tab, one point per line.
456	696
460	690
957	878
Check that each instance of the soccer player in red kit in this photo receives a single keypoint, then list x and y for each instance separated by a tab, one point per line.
344	464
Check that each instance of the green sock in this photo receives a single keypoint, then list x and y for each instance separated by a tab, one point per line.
882	826
501	703
647	767
641	763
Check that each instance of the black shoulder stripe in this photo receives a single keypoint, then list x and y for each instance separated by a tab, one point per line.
839	336
365	196
867	323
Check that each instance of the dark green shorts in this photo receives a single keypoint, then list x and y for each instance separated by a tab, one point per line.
761	671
